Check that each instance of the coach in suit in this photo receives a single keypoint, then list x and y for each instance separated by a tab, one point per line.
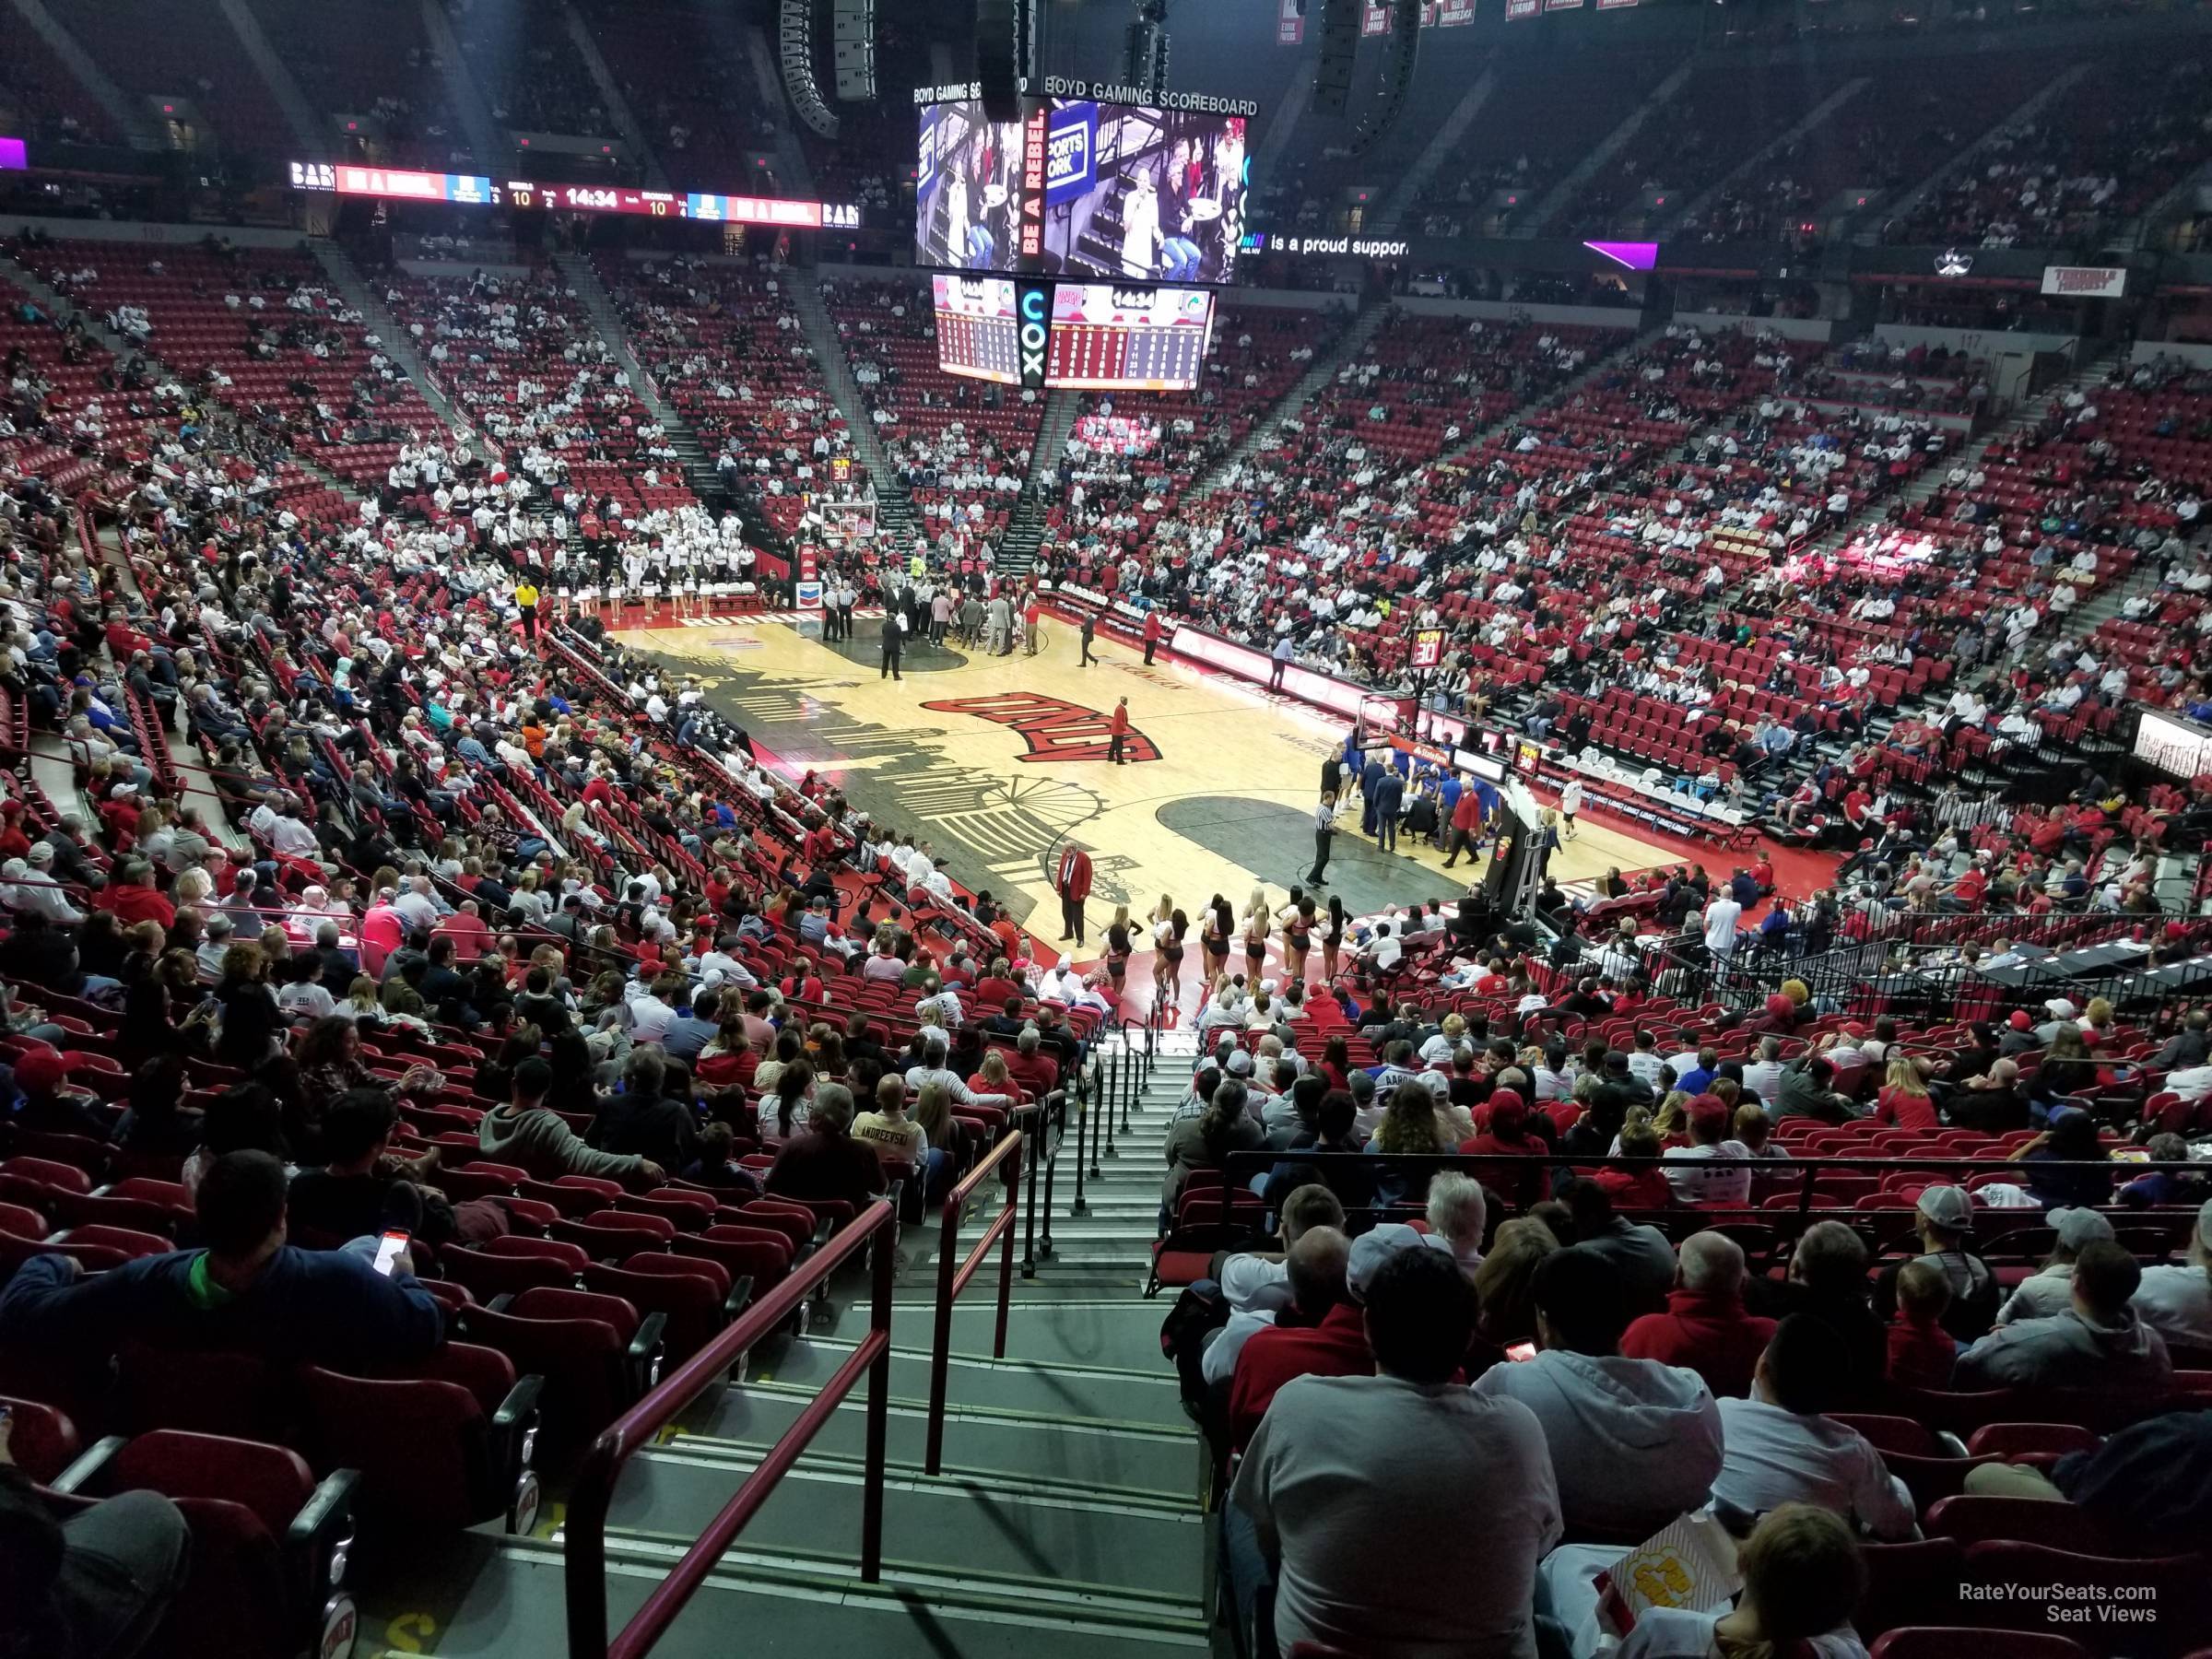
1071	880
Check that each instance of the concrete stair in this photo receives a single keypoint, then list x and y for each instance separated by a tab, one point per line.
897	523
1748	167
691	455
1555	200
1024	529
392	339
1293	402
1390	219
1067	1512
2057	87
610	97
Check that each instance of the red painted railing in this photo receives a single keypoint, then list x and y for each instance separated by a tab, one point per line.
584	1555
952	1281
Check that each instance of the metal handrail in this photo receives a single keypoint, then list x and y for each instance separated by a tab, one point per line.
584	1547
952	1281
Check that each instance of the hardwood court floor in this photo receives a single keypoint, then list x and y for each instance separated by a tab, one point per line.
994	760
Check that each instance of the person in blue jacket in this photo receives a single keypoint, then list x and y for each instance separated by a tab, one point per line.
247	1291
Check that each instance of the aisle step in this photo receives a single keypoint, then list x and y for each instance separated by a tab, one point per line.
1075	1391
1117	1542
1085	1332
509	1600
1153	1460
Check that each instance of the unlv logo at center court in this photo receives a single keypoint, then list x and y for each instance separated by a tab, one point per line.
1055	729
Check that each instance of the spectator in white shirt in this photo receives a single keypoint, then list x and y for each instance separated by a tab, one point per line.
1779	1449
2176	1302
1762	1076
933	1070
1721	917
1712	1169
1803	1578
1256	1287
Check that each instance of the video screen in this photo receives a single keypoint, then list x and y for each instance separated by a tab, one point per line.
1107	337
975	327
966	189
1145	195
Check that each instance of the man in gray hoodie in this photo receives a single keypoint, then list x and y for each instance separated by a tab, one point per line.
2097	1342
1634	1442
527	1135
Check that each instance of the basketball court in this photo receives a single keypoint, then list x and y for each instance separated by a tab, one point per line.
994	760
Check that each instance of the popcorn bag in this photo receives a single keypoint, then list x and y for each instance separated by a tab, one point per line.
1690	1564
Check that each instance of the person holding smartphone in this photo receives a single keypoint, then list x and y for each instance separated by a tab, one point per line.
250	1289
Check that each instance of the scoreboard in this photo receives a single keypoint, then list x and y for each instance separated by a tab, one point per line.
1110	337
976	332
474	190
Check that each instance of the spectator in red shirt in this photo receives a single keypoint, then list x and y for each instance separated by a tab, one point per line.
1466	823
1028	1066
132	897
1705	1328
467	931
996	987
1904	1099
1322	1333
1922	1353
14	843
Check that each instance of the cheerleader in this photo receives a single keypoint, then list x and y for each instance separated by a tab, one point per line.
1160	924
1298	938
689	605
1332	939
1255	927
562	576
1221	922
1117	952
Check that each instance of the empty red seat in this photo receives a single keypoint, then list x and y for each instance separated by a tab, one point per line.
443	1447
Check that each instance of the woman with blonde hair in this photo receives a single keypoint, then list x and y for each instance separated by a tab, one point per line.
1643	1188
1119	949
945	1133
1904	1099
1504	1283
1255	924
1161	923
360	1005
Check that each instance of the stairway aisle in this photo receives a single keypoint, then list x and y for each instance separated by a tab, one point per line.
1067	1511
1025	530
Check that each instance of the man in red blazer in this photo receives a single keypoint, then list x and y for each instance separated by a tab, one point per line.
1071	880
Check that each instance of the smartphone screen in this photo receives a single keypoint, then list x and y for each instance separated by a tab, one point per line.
389	1250
1521	1350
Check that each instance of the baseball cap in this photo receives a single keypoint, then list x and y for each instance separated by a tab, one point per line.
2021	1022
1373	1248
2077	1226
1948	1206
1240	1063
2060	1008
1708	1108
1508	1110
43	1068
